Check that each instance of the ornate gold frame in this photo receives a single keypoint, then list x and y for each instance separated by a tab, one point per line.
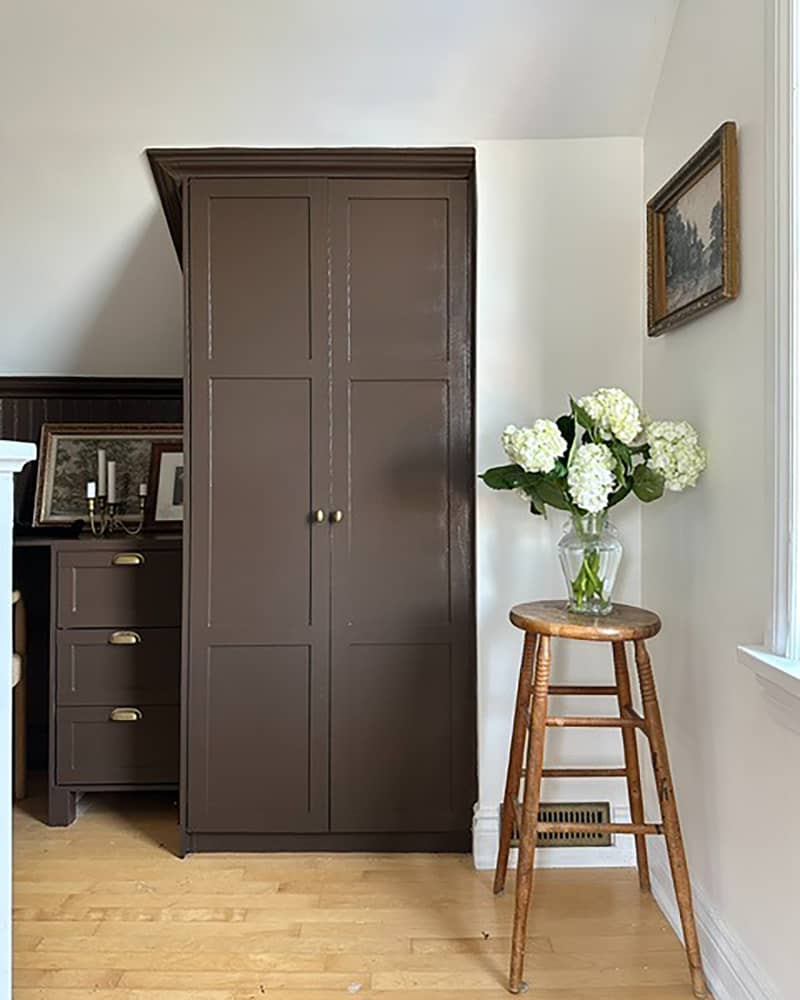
720	148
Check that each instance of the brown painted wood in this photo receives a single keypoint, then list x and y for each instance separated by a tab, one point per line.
92	669
95	592
669	816
173	169
402	674
553	618
635	800
258	590
530	813
93	749
515	758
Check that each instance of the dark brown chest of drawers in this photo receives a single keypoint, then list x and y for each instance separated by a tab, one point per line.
115	667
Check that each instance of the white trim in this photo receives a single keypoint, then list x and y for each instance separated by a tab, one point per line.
779	679
783	271
486	838
731	971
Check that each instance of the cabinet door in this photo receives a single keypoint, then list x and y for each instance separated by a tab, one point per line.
402	703
258	617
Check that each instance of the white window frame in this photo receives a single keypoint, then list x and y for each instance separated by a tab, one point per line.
777	664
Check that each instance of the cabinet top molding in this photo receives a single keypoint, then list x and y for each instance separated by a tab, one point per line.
171	168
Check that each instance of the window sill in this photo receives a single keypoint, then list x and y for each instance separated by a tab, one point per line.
779	679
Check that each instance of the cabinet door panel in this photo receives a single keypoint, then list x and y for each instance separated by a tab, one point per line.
259	584
402	675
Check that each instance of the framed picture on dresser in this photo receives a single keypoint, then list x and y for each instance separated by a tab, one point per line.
71	456
164	508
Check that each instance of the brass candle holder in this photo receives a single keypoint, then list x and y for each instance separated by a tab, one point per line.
104	519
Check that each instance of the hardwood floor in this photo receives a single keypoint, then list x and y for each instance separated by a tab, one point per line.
104	910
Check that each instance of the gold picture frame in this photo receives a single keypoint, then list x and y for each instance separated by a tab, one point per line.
693	236
68	459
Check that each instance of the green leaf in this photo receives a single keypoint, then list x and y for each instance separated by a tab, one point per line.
566	425
647	484
504	477
581	415
552	492
619	494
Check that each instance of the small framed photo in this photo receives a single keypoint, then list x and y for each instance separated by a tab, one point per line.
164	508
69	458
693	236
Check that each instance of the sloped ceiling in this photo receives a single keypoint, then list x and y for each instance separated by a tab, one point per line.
471	69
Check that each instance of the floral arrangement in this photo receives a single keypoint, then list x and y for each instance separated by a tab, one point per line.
589	460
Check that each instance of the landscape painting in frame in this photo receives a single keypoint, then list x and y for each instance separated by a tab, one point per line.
693	236
68	460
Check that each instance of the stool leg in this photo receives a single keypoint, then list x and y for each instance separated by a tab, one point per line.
515	756
530	813
625	700
669	816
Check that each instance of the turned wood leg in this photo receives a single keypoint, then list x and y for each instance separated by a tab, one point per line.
515	756
634	780
530	812
669	816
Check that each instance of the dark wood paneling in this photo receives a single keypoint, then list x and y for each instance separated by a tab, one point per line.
28	402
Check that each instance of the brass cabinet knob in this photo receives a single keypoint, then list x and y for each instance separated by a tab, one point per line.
124	638
319	515
125	714
337	516
128	559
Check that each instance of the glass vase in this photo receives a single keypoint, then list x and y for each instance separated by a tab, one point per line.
590	553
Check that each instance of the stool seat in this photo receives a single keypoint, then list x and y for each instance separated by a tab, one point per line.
624	624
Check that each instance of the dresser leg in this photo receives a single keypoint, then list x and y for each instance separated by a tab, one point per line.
61	805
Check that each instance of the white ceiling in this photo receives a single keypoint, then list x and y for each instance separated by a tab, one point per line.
338	69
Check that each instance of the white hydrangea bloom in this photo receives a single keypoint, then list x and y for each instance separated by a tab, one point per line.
534	448
676	453
615	414
590	477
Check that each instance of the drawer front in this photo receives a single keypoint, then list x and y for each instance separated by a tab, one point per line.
128	587
94	749
118	666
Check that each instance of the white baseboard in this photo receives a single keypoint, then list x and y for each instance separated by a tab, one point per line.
486	838
731	971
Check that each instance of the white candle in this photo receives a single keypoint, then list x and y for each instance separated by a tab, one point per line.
142	489
101	471
91	490
112	482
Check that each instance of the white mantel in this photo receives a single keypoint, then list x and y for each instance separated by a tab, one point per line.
13	455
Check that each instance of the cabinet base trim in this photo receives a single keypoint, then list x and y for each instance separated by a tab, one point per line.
450	842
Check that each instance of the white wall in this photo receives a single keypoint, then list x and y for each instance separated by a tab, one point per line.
559	312
707	553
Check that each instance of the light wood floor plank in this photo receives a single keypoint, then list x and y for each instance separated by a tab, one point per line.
104	909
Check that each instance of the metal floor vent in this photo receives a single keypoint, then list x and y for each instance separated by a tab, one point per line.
572	812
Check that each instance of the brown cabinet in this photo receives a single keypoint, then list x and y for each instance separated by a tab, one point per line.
330	627
115	667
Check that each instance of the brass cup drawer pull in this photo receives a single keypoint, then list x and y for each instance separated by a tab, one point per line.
125	715
124	639
128	559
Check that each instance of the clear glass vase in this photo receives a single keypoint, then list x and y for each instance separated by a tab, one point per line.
590	553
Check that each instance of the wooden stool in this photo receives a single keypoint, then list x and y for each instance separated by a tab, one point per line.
540	620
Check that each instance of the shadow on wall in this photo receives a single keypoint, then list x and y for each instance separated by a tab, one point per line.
137	327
